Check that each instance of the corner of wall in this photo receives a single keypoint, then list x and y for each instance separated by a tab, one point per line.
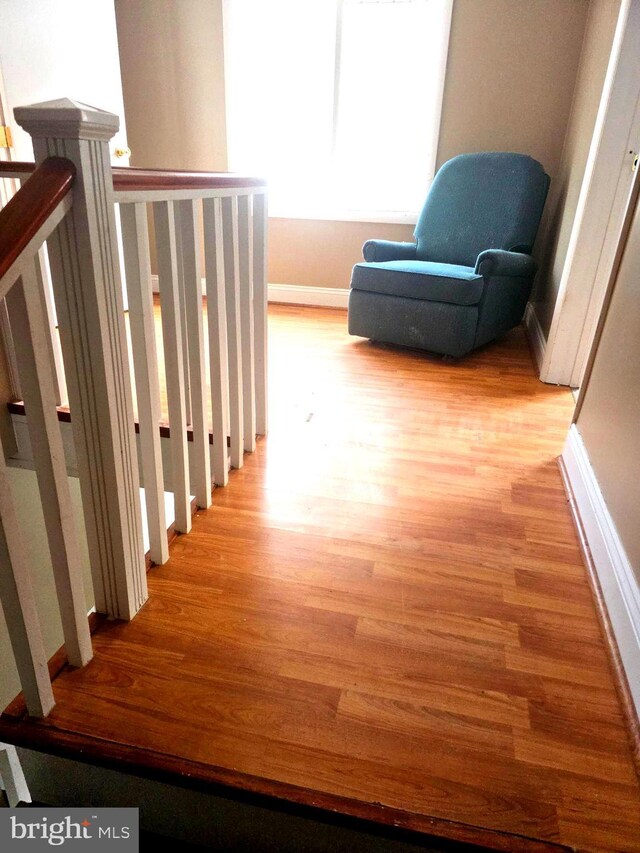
535	335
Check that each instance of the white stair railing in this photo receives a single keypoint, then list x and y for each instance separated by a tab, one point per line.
221	219
215	357
88	293
50	197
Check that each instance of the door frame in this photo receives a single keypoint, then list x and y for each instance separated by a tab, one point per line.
630	214
601	209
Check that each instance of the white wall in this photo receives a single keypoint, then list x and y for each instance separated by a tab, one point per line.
56	49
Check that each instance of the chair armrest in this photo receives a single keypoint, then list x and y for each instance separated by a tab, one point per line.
501	263
387	250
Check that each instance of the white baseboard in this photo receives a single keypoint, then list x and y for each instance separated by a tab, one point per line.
294	294
535	334
299	294
619	586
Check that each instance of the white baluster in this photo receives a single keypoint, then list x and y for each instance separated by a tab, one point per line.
55	353
7	435
245	276
145	365
18	604
10	352
53	343
33	354
174	367
88	294
260	308
8	188
234	340
192	284
217	324
183	315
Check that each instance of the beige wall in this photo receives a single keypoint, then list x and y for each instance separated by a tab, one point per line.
172	66
563	198
510	79
172	63
321	253
609	420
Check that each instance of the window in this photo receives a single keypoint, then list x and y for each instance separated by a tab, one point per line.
337	103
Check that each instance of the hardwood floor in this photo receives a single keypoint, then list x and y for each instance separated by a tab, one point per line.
386	612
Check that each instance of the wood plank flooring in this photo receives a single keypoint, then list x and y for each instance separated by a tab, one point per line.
386	612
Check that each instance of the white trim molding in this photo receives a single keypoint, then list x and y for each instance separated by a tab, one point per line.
294	294
618	583
300	294
535	334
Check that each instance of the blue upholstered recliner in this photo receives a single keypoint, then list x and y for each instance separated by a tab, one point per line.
468	276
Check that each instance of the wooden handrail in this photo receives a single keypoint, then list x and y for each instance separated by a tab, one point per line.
17	167
132	180
25	214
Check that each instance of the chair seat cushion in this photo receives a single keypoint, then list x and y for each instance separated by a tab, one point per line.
420	280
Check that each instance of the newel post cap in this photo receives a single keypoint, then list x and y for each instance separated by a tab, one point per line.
66	119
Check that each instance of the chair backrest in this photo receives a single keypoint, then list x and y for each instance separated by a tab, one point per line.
481	201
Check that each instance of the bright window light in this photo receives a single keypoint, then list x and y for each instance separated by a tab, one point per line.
337	104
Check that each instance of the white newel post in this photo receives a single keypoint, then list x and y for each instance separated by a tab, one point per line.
88	295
